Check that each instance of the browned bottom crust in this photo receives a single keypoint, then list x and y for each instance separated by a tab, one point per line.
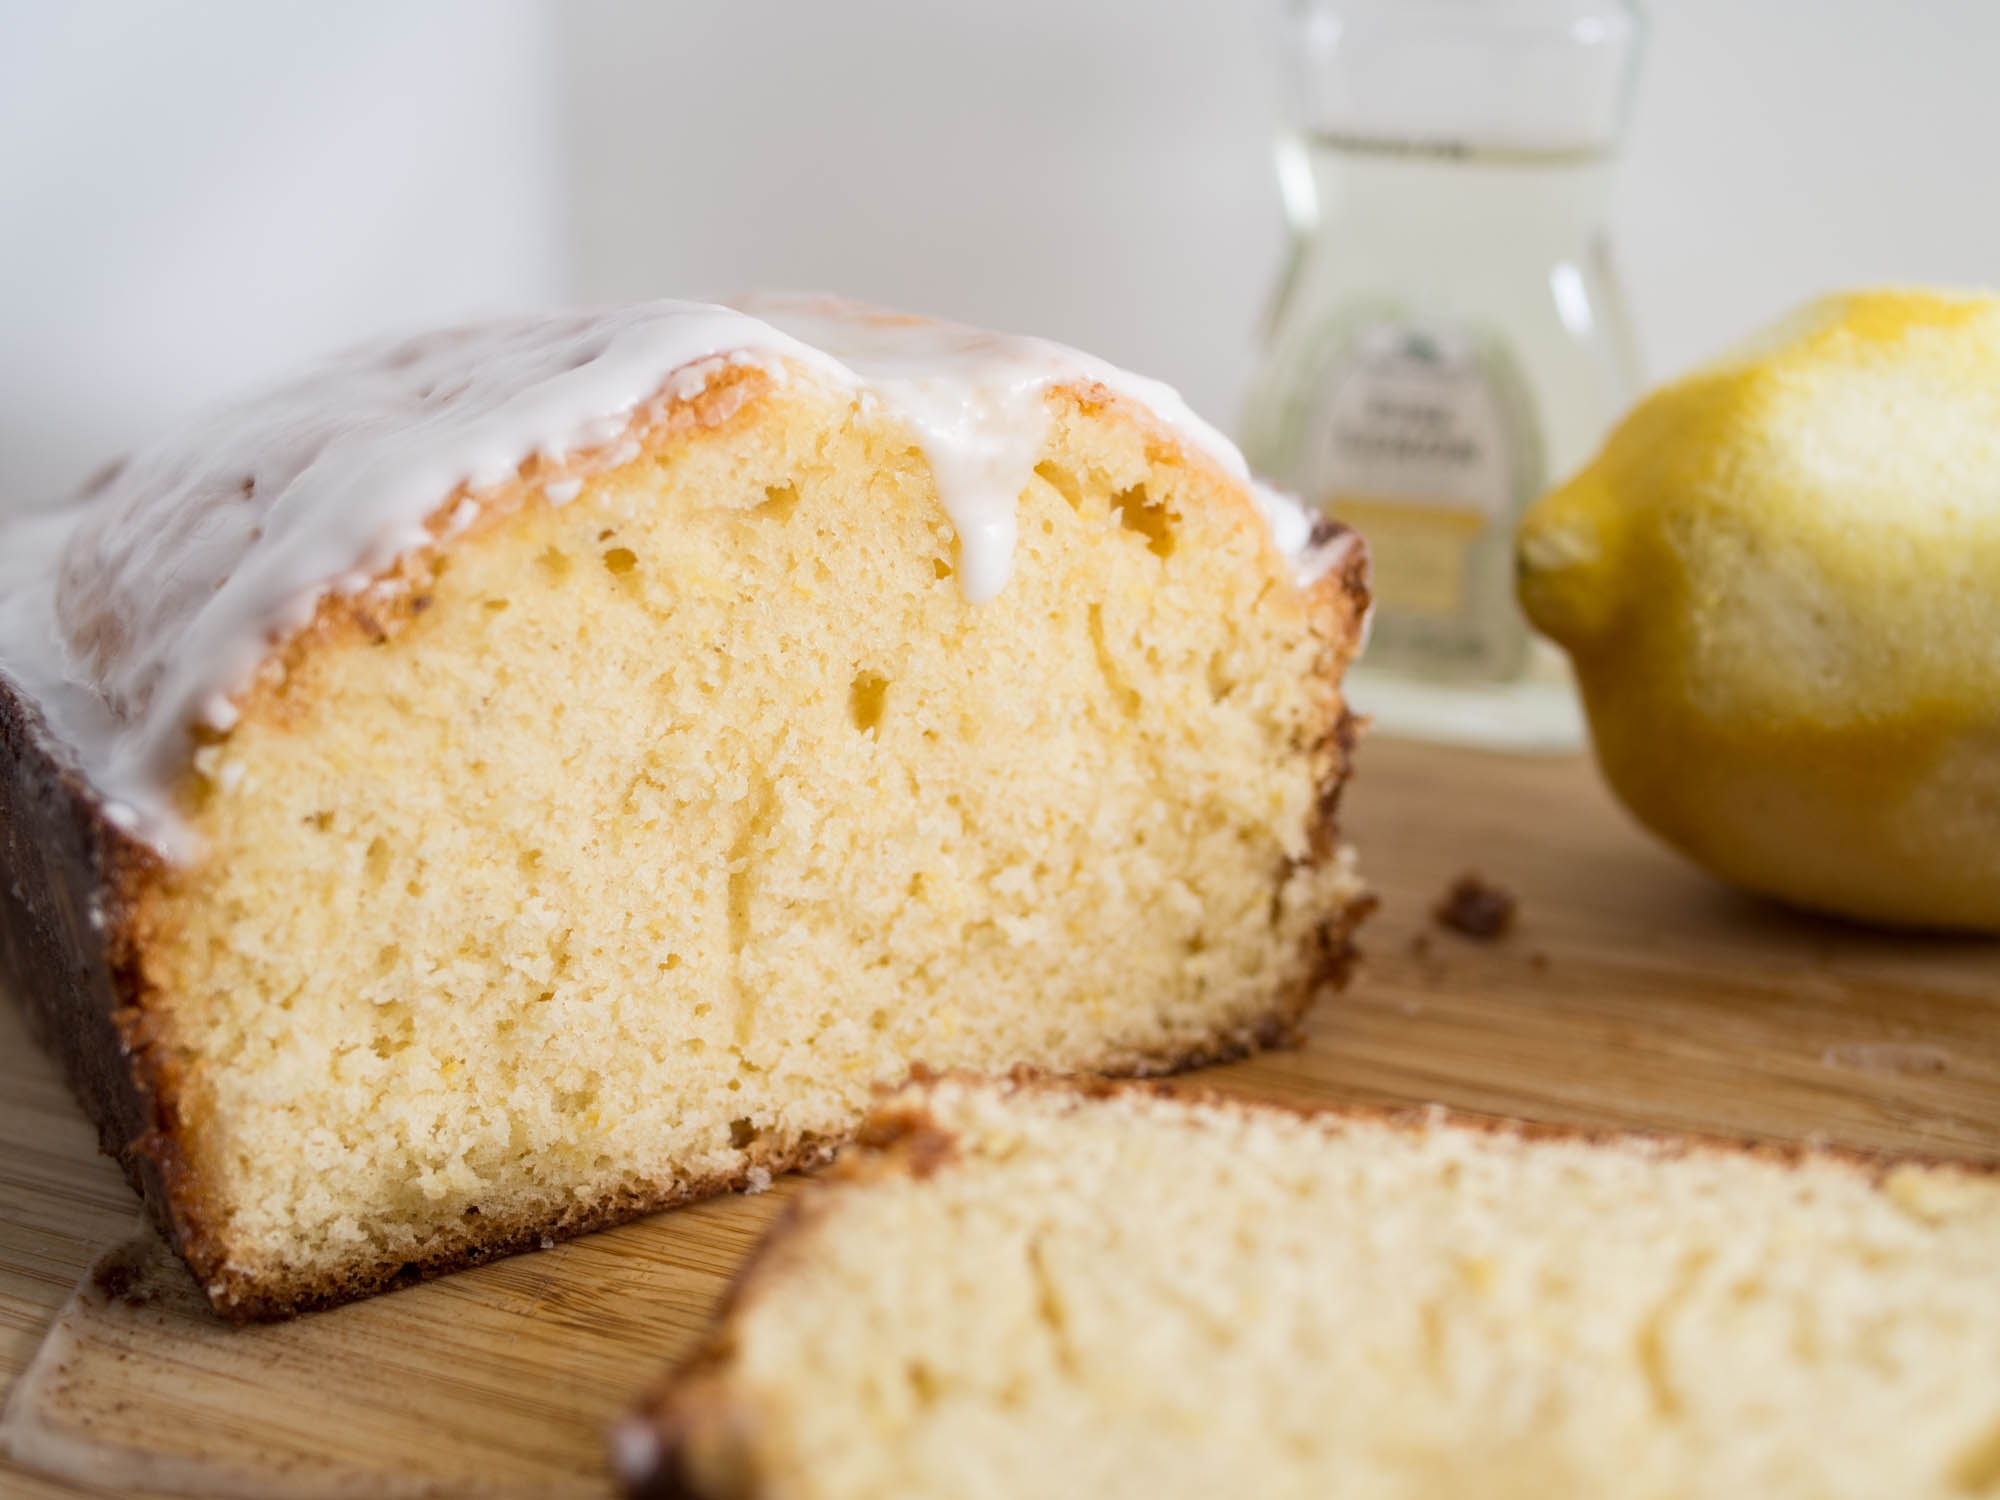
486	1237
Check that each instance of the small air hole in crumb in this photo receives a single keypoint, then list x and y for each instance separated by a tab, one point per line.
545	996
941	567
1220	683
1063	482
320	820
866	699
780	500
1137	512
672	961
741	1133
606	534
496	605
529	860
621	560
554	563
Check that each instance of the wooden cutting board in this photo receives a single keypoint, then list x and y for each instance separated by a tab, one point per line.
1632	991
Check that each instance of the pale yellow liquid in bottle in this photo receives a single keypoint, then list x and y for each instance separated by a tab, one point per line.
1446	341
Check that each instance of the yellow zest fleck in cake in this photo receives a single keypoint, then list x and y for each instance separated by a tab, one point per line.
517	778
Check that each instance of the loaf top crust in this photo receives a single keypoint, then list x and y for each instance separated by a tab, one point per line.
132	613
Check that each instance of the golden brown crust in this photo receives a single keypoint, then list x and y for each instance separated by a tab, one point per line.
82	979
70	953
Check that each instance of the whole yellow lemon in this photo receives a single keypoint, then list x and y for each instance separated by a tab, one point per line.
1780	586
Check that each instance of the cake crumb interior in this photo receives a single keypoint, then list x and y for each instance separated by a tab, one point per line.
678	815
1135	1299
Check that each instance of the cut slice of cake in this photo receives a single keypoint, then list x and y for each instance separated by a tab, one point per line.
507	781
1031	1290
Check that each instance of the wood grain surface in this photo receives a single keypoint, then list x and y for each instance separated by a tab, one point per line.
1632	991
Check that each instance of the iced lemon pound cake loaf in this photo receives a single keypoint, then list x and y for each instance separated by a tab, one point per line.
507	781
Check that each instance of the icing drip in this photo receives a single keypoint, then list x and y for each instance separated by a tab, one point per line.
135	611
974	401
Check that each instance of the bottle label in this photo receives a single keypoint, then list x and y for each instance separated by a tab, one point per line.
1421	433
1412	441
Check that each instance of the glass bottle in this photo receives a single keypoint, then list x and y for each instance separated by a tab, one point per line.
1447	337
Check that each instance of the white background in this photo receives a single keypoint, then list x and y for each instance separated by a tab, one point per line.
193	196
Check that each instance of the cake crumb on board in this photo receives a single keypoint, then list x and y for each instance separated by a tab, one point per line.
1476	908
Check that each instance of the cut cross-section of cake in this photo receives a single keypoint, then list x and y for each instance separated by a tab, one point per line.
506	781
1023	1289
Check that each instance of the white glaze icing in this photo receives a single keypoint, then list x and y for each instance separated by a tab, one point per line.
139	608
